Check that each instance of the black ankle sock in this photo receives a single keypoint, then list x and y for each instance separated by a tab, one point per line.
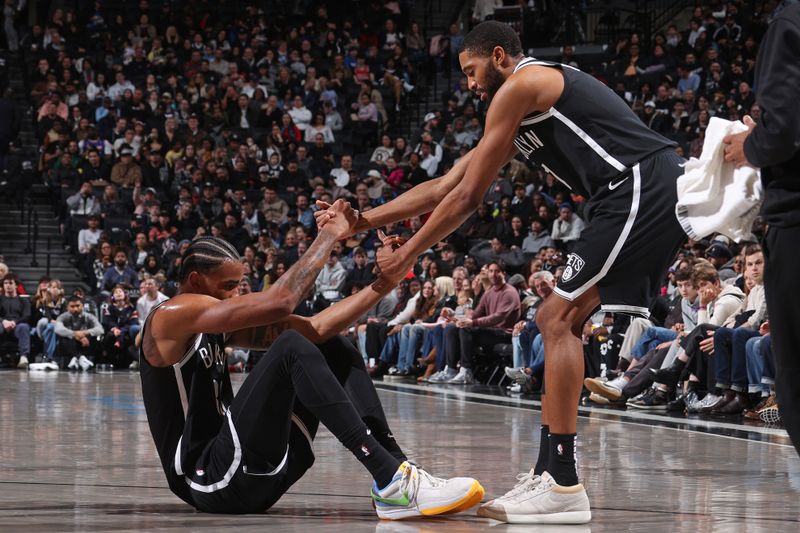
544	451
386	439
380	463
561	460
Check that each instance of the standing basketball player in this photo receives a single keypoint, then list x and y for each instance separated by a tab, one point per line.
227	454
583	134
774	145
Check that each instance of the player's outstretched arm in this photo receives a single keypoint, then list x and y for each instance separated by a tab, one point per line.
518	96
417	201
197	313
323	325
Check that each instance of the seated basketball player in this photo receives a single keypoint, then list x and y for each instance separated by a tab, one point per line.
239	454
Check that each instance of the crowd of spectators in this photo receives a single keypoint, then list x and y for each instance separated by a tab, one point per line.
159	123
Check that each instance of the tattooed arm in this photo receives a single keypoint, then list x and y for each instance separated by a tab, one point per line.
318	328
321	326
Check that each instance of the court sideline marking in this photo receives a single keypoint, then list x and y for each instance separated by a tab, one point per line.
705	427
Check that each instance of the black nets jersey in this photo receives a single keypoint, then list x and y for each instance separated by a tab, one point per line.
589	137
187	405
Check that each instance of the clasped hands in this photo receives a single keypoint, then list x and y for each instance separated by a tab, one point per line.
391	260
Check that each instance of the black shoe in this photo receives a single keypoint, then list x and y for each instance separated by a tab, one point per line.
669	376
655	402
379	370
678	405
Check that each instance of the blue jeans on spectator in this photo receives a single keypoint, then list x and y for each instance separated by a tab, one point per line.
523	345
411	338
435	339
651	338
767	360
47	332
537	365
22	332
755	366
389	350
730	360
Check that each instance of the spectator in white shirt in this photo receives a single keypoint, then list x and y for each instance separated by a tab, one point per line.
568	226
300	114
118	89
90	236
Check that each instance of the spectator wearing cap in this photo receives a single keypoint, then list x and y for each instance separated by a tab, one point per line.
126	172
719	255
538	237
143	201
210	206
274	207
567	228
156	173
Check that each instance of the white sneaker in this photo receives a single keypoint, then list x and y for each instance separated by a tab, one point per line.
609	389
443	375
414	492
516	388
84	363
464	377
43	366
23	362
73	363
514	373
134	365
545	502
525	481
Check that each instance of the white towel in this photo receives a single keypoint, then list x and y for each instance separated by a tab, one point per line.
713	195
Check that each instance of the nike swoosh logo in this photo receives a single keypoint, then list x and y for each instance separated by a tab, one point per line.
612	186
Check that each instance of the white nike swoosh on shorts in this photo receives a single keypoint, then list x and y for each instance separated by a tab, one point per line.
612	186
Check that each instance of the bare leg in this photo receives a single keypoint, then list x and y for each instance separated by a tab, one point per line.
560	322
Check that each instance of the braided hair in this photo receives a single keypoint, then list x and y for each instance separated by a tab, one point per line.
206	254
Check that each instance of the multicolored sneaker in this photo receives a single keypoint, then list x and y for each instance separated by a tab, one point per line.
414	492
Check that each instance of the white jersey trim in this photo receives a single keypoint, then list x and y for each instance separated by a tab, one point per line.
612	256
179	375
226	479
599	150
537	118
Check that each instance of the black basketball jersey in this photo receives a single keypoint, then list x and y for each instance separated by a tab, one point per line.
589	137
186	405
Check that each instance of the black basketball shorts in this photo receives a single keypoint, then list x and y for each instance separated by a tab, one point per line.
631	236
